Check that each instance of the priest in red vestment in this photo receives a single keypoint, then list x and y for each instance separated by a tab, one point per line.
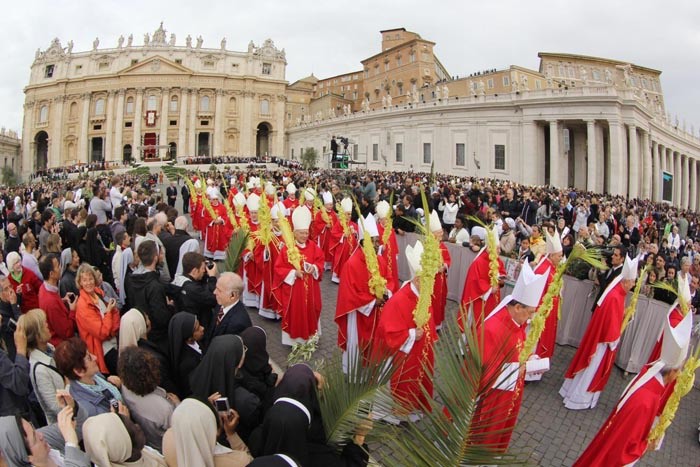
269	306
412	346
343	245
675	315
623	438
322	228
503	378
253	260
592	364
217	229
440	287
299	291
479	298
291	201
548	264
390	248
358	308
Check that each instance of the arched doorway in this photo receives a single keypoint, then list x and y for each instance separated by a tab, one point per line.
41	143
262	141
126	154
172	151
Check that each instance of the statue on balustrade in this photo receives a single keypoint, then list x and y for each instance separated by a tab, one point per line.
188	41
199	42
120	42
130	40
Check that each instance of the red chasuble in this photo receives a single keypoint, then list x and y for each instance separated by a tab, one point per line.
603	328
323	233
440	289
390	250
497	410
217	235
393	331
547	342
623	437
291	205
254	266
476	285
268	301
674	318
341	246
196	212
353	294
300	303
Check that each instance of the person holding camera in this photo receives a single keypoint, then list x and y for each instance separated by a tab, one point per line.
15	384
197	285
9	314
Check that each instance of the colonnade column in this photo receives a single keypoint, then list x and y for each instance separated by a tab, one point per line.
109	127
685	177
247	131
84	125
692	205
219	124
677	178
138	117
191	135
655	172
163	138
592	180
117	151
554	155
54	159
633	187
182	123
646	167
618	171
531	171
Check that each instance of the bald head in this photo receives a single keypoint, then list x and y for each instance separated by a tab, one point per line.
229	288
181	223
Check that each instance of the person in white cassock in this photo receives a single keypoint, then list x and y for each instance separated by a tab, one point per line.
503	378
592	364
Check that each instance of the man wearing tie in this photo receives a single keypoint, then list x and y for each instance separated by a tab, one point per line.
171	192
604	278
231	316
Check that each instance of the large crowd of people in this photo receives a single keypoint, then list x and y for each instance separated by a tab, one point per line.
126	342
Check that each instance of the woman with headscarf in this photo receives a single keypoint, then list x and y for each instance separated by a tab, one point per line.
278	460
114	440
217	373
133	332
184	334
293	425
53	445
191	440
256	375
45	377
24	281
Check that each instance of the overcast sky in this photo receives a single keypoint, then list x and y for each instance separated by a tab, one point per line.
329	38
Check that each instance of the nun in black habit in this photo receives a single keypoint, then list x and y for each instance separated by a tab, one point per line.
184	334
256	375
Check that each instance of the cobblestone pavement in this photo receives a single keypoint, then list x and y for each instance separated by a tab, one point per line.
549	433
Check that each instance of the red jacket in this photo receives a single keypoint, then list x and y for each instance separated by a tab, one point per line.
61	320
30	289
93	328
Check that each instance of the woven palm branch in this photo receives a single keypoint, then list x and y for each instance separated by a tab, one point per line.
234	251
439	440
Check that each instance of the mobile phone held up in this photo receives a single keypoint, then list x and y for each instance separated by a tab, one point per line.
221	404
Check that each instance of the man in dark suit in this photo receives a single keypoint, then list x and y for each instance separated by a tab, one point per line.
185	199
528	208
172	244
606	277
231	316
171	193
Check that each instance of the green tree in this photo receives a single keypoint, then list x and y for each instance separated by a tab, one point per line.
309	158
8	176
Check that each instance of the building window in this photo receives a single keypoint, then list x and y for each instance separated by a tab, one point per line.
499	162
173	103
399	152
102	66
100	106
386	66
459	154
44	114
355	149
506	81
134	61
73	112
398	61
209	64
292	155
173	122
178	61
152	103
128	124
412	57
366	73
204	122
426	153
48	71
265	107
489	83
129	105
234	66
266	68
204	104
97	127
375	152
354	95
78	68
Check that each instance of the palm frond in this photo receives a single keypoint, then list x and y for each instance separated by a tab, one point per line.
303	351
234	251
449	434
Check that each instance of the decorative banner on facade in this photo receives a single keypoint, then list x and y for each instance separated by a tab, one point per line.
150	118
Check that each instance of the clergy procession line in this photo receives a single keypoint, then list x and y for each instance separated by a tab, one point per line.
145	354
375	314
